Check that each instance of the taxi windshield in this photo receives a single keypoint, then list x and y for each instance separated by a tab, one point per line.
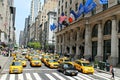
52	60
87	64
35	58
16	63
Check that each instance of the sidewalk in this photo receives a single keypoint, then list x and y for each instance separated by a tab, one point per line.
3	61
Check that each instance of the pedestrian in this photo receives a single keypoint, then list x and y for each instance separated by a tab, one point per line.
112	71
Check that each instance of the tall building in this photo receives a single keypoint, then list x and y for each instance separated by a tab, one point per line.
35	8
96	34
50	5
7	21
21	39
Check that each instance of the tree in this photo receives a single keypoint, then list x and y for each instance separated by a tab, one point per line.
35	45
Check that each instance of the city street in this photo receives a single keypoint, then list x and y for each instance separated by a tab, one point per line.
45	73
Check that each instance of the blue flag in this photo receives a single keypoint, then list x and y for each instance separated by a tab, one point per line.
103	1
52	27
88	2
75	15
80	10
89	7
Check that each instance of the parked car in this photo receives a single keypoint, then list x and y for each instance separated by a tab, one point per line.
67	68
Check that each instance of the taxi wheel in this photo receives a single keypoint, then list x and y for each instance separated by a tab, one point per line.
81	70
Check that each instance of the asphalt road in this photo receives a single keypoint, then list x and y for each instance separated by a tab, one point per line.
44	73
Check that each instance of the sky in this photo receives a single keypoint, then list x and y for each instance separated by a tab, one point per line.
22	12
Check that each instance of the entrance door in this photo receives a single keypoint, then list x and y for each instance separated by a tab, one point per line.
107	49
94	50
119	52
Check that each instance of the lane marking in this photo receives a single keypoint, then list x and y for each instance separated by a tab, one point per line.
28	76
37	76
84	77
50	77
12	77
4	77
78	78
57	75
70	78
20	77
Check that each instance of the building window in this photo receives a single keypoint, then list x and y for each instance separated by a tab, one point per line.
61	9
105	6
118	1
65	12
107	27
65	4
59	3
58	11
62	1
94	11
83	36
76	6
119	27
84	2
70	1
95	31
70	9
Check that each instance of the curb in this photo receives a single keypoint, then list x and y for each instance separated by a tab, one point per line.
102	71
4	65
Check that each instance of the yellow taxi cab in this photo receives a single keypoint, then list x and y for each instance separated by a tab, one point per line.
24	62
52	63
30	56
84	66
64	59
44	58
35	61
16	67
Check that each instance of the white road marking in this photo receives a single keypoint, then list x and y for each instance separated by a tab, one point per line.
37	76
20	77
70	78
101	76
12	77
4	77
78	78
50	77
84	77
28	76
57	75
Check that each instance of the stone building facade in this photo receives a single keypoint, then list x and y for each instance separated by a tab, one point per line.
95	35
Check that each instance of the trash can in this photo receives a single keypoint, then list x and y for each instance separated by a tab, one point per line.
101	65
107	66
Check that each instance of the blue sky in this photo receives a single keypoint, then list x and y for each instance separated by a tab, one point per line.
22	12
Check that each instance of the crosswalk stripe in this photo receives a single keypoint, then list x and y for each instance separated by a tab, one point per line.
12	77
78	78
20	77
101	76
28	76
87	76
70	78
4	77
50	77
37	76
58	76
83	77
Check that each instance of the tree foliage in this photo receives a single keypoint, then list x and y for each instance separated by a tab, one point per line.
35	45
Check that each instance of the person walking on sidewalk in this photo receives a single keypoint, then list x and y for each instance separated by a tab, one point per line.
112	71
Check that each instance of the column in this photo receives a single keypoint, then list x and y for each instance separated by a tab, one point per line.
88	46
71	41
77	46
100	42
114	41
